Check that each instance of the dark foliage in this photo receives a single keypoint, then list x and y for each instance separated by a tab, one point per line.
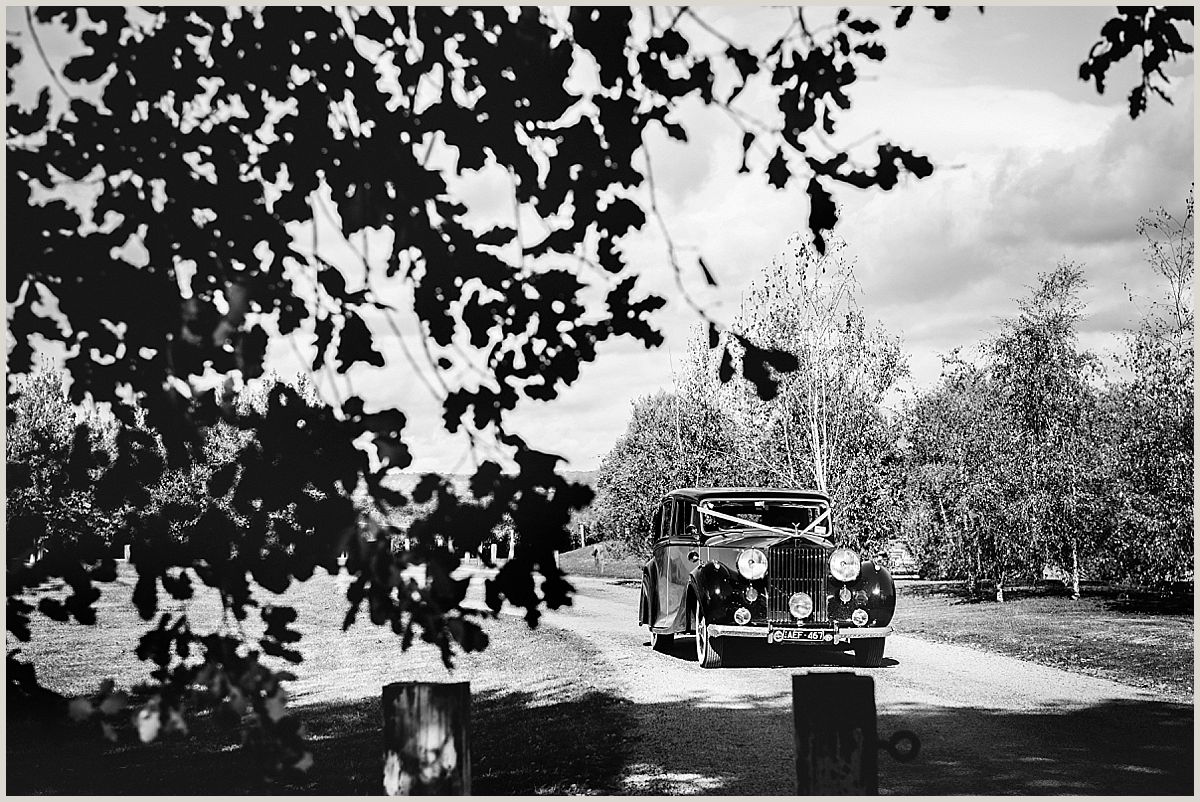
1155	33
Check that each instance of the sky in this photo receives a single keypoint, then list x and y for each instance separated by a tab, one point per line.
1031	167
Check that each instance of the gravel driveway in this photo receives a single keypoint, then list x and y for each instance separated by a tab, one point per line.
988	724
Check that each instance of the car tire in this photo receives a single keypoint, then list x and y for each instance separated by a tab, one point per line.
661	643
868	652
709	651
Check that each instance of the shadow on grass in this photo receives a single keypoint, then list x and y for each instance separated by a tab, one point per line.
1120	747
582	746
574	746
1152	604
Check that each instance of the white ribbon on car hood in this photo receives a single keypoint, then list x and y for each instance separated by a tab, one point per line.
807	532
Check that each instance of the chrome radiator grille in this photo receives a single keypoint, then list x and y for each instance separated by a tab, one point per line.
791	569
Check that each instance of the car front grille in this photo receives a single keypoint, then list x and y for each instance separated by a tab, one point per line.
791	569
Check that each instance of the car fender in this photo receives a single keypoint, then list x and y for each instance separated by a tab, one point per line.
712	584
645	603
880	588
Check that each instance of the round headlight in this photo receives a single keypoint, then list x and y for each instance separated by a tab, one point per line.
844	565
752	564
800	606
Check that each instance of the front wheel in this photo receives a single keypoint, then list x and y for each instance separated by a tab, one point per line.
868	652
661	643
709	652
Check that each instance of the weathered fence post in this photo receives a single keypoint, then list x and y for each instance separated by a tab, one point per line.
836	741
426	738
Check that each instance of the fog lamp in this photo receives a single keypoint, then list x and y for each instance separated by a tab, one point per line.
751	594
800	606
741	616
858	617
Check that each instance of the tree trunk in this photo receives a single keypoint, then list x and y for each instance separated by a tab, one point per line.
973	574
978	560
787	445
1074	570
942	512
426	738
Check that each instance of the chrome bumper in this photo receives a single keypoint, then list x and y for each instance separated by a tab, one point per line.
839	636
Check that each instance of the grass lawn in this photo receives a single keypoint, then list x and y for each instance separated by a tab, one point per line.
581	563
1098	635
538	724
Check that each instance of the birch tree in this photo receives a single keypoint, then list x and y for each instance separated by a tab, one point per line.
961	475
826	427
1149	418
1043	379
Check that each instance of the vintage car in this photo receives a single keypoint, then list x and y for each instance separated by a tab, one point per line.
732	563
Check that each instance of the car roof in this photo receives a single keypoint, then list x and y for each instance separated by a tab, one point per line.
698	494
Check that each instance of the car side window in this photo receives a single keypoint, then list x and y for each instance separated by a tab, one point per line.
685	520
664	519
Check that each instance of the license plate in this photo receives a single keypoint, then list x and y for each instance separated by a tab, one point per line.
805	635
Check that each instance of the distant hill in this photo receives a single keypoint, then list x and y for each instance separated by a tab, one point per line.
405	481
582	477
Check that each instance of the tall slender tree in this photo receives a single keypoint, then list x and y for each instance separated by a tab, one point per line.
826	427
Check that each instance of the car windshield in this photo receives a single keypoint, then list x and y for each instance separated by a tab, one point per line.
792	516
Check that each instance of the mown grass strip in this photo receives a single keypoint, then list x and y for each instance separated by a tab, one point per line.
1100	634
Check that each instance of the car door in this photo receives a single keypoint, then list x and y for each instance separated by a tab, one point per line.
663	613
682	556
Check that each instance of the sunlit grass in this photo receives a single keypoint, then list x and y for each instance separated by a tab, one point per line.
1091	635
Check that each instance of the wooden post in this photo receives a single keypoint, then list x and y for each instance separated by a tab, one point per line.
426	738
836	741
